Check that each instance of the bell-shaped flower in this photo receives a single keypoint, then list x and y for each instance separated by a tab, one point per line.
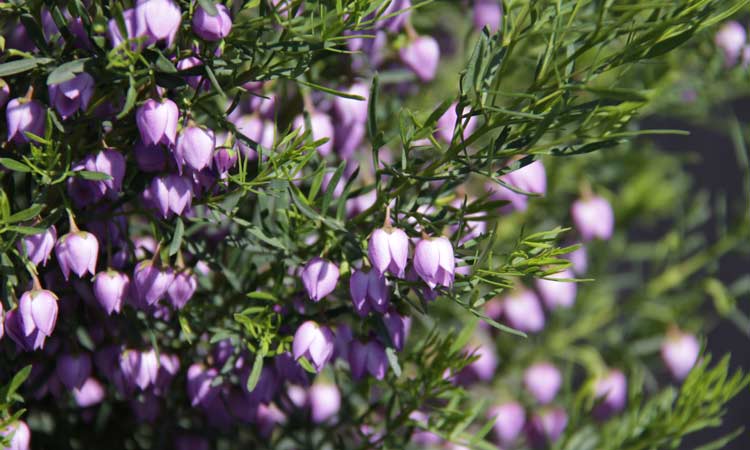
319	276
38	247
325	401
680	351
369	291
593	218
434	261
151	282
212	27
315	343
388	250
73	370
611	392
509	418
77	252
157	121
110	289
72	95
542	380
182	288
522	310
421	56
557	294
38	311
195	147
367	357
488	13
22	115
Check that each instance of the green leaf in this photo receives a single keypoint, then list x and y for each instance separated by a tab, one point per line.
16	166
18	379
26	214
306	365
252	379
93	176
260	295
179	231
130	98
66	72
390	353
21	65
209	6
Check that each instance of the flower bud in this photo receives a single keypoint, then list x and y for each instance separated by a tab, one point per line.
72	95
730	39
151	282
111	162
322	128
368	291
509	418
388	250
611	393
195	147
546	426
23	115
315	343
199	389
593	218
157	121
367	358
110	289
488	13
73	370
182	288
224	159
38	247
319	277
542	380
160	20
679	351
20	436
325	402
38	311
89	394
171	194
523	311
397	327
530	178
212	28
421	56
557	294
434	261
77	252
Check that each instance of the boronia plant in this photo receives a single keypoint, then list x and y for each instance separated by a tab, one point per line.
395	224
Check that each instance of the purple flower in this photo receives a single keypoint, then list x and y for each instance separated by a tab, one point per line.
159	19
15	328
195	147
259	130
322	128
422	56
85	192
111	162
171	193
593	218
367	358
388	249
110	289
730	39
139	368
488	13
38	312
315	343
542	380
24	115
531	178
319	276
194	81
481	369
224	159
680	351
199	389
434	261
546	426
325	402
369	291
77	252
73	370
557	294
38	247
448	123
579	260
399	12
151	282
157	121
212	28
182	288
611	393
523	311
349	110
72	95
150	158
20	435
89	394
510	418
2	321
397	327
169	365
